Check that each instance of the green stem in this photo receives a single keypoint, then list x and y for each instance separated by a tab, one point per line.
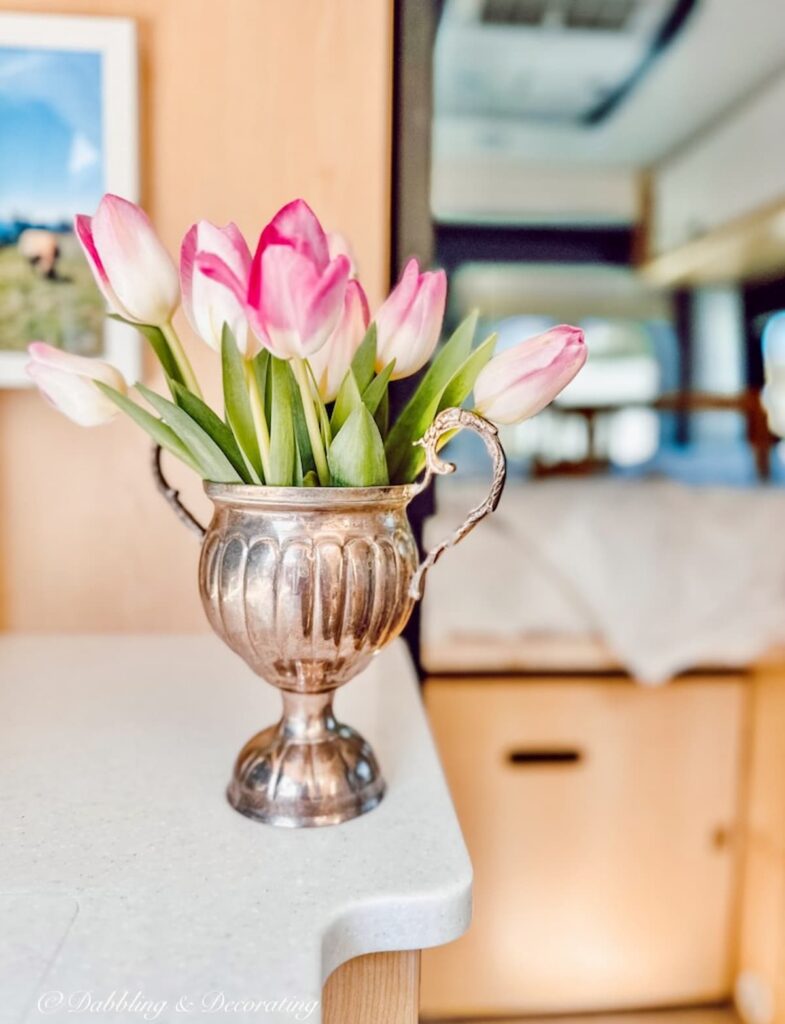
259	418
189	377
311	420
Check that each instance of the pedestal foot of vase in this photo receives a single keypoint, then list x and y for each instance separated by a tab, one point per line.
306	770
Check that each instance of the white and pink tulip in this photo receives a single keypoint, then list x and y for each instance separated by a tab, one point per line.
520	382
330	363
409	321
208	304
294	295
67	381
129	262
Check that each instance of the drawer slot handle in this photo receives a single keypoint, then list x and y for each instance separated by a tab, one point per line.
535	757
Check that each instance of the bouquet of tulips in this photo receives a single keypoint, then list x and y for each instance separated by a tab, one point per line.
305	367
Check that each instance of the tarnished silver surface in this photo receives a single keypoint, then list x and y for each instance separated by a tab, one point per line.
306	585
172	496
450	421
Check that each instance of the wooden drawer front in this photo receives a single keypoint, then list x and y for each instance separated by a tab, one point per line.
599	817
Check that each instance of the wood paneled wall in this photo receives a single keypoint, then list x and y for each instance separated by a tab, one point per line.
244	104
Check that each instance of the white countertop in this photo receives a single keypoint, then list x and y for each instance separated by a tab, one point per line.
124	870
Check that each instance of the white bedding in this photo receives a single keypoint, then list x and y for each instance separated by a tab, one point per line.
670	577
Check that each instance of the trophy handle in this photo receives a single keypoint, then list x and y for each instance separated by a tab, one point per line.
171	496
450	421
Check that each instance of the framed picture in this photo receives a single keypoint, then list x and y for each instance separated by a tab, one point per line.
68	133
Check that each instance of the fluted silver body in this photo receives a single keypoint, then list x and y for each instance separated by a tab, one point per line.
306	584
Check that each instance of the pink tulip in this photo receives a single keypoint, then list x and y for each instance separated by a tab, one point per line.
521	381
131	267
208	304
409	321
66	380
294	294
334	358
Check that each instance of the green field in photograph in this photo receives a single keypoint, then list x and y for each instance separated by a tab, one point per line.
66	310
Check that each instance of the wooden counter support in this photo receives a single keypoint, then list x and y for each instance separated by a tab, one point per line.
382	987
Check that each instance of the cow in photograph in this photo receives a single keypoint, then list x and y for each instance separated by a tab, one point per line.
41	249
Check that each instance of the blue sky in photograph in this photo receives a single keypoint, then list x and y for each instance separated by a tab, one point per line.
51	145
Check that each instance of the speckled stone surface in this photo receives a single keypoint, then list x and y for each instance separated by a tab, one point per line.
125	874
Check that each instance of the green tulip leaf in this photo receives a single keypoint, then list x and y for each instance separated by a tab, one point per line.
382	414
157	429
364	361
261	369
454	395
348	399
356	456
159	345
282	433
237	404
304	449
213	425
350	396
216	466
420	410
321	409
377	389
461	384
324	423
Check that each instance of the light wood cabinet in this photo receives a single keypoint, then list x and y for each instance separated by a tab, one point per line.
762	925
602	820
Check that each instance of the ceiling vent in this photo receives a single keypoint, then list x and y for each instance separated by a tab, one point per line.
604	15
514	12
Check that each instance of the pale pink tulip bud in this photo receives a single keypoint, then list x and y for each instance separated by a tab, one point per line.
67	382
409	321
334	358
339	245
521	381
131	267
294	294
208	304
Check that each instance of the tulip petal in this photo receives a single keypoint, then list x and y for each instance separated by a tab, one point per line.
330	363
214	267
339	245
520	382
67	382
298	226
142	274
418	336
84	233
325	304
298	307
528	356
287	278
188	251
392	312
409	321
208	303
69	362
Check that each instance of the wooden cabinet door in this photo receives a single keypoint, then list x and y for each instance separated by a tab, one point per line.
600	818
